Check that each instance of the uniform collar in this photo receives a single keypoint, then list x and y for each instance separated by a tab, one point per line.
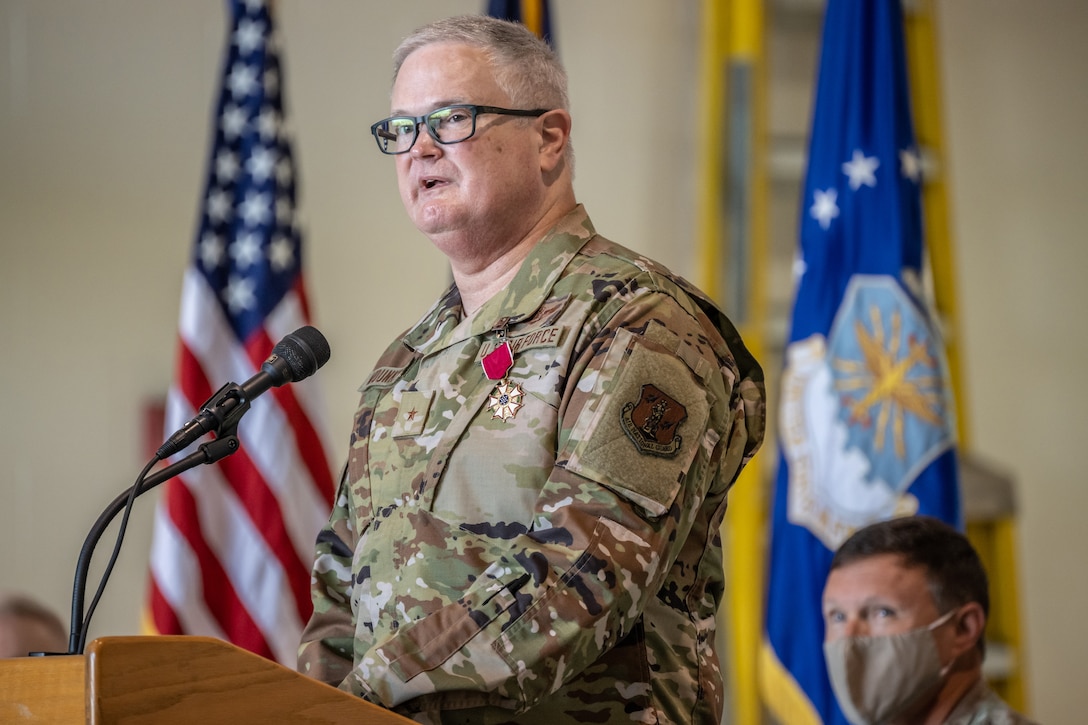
442	325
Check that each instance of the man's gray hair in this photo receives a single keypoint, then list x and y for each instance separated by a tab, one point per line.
526	67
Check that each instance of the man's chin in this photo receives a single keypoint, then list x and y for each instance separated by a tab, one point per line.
434	229
432	217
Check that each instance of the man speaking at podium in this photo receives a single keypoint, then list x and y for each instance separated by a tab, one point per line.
527	527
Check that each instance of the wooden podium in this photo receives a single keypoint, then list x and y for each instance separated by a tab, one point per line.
164	680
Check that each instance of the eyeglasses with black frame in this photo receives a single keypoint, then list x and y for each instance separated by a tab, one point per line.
447	125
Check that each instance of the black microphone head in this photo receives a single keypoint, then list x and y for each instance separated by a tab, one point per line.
304	351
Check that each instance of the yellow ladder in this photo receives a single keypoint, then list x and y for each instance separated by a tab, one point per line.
732	270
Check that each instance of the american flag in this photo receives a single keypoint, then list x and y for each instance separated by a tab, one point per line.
233	542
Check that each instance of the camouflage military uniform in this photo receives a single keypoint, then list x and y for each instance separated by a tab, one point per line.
981	706
543	547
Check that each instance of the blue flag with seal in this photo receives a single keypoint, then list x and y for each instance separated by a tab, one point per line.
866	423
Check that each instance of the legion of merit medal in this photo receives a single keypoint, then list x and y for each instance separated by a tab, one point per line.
505	401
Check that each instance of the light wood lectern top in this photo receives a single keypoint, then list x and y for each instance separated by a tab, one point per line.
169	679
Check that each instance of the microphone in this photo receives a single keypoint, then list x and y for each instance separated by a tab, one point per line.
296	357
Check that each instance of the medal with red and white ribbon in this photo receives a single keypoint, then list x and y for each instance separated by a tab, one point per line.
505	400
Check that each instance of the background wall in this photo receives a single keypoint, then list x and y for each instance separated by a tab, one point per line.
104	126
1017	107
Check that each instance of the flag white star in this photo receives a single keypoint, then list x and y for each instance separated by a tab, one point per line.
861	169
211	250
255	210
268	123
226	166
233	121
910	164
239	294
242	81
218	209
281	253
284	210
261	163
246	250
249	35
798	267
271	82
824	207
284	173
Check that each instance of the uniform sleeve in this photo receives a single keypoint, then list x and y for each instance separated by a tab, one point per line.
654	416
325	652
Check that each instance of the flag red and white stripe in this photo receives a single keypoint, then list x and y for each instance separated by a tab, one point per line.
233	541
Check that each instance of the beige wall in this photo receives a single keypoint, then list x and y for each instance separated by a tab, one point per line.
1017	110
104	110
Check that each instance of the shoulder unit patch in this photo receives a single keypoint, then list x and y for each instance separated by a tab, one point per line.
653	422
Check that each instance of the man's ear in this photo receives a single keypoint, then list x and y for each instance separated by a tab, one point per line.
970	624
554	136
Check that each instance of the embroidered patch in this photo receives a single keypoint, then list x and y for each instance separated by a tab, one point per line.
542	337
598	447
505	401
653	422
382	376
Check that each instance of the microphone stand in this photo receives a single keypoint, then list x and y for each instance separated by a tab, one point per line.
225	444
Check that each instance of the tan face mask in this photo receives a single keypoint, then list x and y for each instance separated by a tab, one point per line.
875	679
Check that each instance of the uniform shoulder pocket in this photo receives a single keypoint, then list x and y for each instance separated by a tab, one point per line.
643	422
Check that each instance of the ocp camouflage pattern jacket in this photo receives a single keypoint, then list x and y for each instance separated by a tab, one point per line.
539	542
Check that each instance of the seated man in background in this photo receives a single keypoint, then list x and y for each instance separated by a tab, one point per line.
27	626
905	607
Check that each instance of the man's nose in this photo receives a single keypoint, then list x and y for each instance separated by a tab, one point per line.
425	144
852	627
855	627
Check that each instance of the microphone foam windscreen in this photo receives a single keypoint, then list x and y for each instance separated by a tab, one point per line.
304	350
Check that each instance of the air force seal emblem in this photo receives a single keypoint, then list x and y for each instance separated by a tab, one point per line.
653	422
864	411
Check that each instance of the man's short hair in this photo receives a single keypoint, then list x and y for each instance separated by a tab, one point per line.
525	66
952	566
